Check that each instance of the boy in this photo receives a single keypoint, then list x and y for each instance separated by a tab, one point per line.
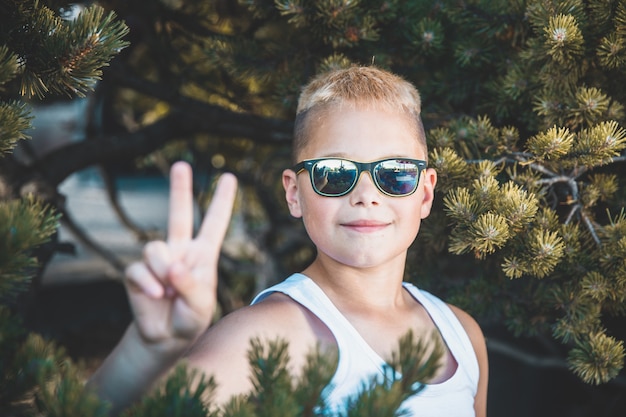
350	300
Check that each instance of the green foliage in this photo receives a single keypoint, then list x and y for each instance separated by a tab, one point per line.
176	398
40	370
489	215
40	53
27	224
61	56
60	388
277	391
16	120
533	214
272	381
8	65
409	368
598	358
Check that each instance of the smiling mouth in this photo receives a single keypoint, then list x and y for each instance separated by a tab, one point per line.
365	226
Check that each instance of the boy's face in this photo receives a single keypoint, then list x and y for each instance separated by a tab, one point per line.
364	228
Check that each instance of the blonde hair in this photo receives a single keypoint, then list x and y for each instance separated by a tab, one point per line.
363	87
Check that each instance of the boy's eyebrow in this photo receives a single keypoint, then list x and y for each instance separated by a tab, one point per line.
342	155
335	155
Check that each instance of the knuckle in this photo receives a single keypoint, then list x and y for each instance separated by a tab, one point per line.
132	270
135	273
154	248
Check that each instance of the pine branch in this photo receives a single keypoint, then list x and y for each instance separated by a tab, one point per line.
8	65
15	119
26	224
598	359
66	57
185	393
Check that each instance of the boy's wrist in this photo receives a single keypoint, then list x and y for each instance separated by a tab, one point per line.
133	368
165	352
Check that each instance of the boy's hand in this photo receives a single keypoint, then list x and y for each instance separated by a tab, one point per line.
173	290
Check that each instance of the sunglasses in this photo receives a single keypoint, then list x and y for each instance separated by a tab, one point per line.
334	177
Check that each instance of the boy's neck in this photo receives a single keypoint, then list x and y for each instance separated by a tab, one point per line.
375	287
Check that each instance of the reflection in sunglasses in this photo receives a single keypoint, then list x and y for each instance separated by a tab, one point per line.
334	177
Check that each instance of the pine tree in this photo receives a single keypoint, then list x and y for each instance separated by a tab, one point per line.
40	54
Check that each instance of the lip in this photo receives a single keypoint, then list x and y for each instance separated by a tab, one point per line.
365	226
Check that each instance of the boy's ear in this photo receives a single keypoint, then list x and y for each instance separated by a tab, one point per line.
290	184
430	180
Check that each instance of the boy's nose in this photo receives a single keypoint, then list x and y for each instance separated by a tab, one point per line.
365	191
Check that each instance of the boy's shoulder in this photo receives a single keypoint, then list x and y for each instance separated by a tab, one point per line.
223	350
274	313
277	317
474	332
468	322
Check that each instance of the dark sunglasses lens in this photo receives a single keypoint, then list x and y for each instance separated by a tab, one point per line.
333	176
397	176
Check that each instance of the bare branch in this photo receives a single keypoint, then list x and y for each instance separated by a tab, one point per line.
510	351
113	196
89	243
554	180
59	164
591	228
572	212
548	362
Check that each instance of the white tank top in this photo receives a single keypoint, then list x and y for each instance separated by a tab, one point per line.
358	362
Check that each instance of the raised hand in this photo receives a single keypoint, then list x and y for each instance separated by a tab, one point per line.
172	291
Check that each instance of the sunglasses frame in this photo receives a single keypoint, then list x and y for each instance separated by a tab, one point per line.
308	164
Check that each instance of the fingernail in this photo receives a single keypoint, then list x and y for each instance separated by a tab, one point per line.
154	291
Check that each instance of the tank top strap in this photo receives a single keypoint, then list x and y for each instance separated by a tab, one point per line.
451	330
306	292
303	290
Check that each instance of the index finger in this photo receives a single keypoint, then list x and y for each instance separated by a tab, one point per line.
218	215
180	220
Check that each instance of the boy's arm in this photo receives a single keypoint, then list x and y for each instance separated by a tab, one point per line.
172	292
480	348
130	370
